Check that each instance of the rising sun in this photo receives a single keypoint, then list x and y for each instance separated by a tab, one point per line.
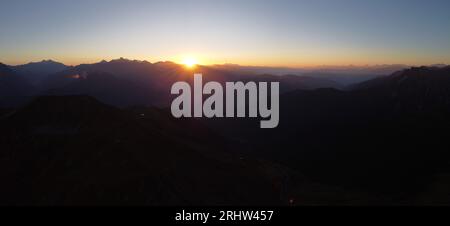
190	62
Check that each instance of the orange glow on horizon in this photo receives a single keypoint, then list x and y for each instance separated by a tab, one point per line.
191	61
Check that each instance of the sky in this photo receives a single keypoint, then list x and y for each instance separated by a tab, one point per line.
291	33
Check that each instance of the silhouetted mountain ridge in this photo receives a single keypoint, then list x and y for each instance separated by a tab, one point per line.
148	84
386	137
12	85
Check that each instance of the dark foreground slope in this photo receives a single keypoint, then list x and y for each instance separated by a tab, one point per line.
388	137
75	150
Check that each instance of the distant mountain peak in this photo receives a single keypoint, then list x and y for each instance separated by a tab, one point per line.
42	62
5	69
35	72
166	63
423	69
121	59
126	60
427	77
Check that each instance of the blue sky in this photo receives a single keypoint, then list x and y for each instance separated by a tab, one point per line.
251	32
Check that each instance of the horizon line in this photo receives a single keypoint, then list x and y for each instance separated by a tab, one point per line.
227	64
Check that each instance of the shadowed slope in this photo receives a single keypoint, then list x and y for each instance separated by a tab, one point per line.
75	150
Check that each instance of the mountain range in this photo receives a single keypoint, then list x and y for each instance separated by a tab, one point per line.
144	83
123	82
101	134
